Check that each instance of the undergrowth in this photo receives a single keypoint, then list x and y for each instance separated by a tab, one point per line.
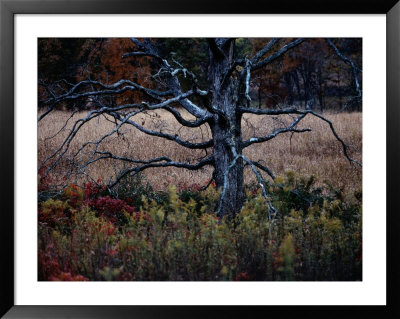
136	233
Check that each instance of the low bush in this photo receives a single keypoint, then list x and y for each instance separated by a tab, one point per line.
87	234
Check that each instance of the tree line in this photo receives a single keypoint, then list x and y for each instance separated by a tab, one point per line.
311	75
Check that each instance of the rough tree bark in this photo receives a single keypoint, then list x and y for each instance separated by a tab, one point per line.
226	125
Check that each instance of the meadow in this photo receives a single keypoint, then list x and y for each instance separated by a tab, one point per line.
315	153
163	226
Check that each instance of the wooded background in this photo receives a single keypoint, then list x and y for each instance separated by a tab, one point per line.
309	75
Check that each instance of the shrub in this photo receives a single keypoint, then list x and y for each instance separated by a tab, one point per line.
87	234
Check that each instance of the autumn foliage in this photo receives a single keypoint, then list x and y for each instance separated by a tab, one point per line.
86	235
309	72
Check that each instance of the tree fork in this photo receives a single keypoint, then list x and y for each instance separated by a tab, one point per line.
226	129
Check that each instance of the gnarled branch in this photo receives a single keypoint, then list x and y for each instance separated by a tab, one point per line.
264	50
354	68
162	162
290	128
296	111
277	54
215	49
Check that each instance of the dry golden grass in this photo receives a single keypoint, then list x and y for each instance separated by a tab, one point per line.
315	153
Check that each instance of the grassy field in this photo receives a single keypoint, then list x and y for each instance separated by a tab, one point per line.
315	153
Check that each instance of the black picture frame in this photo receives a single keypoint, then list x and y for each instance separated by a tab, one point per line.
9	8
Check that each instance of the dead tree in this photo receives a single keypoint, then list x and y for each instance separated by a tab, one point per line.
222	106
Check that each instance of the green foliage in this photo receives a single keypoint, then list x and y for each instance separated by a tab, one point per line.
134	188
181	238
288	257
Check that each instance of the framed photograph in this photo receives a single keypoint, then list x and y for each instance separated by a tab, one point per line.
173	159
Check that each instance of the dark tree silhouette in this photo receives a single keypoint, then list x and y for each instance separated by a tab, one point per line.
220	105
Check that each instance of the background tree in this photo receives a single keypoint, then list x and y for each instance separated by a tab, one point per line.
158	74
309	74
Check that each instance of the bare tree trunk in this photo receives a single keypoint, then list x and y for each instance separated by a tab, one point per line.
320	90
226	139
259	91
226	130
297	84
